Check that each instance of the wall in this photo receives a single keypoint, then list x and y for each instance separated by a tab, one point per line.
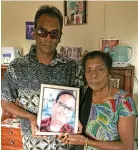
121	22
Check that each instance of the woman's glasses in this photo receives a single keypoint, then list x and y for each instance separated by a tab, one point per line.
42	32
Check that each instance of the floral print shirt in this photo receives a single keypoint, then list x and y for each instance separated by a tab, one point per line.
45	126
103	119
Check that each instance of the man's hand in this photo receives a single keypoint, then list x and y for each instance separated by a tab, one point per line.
34	127
33	122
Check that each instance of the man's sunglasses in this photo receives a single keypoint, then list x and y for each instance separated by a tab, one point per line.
42	32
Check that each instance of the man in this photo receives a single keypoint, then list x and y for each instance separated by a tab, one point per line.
25	75
62	111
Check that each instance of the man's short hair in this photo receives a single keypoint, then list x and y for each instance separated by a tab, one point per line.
63	93
50	11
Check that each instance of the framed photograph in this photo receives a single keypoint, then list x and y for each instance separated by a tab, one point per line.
108	44
29	30
74	12
58	110
114	82
71	52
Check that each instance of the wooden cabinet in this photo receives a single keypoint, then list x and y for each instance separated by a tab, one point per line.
126	76
3	71
5	114
11	138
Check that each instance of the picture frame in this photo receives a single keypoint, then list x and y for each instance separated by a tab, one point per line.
58	110
108	44
71	52
74	12
115	82
29	30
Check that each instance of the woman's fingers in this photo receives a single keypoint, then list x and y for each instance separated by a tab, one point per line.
80	127
59	137
63	138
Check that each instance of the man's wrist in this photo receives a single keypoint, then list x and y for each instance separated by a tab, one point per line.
31	117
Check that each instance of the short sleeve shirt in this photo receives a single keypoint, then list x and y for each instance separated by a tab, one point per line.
103	119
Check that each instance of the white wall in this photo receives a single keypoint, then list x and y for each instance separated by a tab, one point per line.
121	22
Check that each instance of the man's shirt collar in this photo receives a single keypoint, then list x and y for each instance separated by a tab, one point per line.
57	57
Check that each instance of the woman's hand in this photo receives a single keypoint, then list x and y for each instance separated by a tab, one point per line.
80	127
76	139
63	138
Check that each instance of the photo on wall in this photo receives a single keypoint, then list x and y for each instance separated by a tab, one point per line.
58	110
71	52
29	30
106	45
74	12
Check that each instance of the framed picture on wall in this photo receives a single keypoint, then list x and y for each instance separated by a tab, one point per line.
71	52
58	110
29	30
74	12
108	44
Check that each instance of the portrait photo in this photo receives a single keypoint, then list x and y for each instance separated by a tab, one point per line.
108	44
58	110
74	12
29	30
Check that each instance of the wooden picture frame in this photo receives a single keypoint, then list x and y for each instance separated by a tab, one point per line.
57	110
74	12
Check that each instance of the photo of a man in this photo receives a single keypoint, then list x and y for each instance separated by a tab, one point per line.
63	111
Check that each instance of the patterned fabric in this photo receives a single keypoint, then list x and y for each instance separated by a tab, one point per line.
22	82
103	119
45	126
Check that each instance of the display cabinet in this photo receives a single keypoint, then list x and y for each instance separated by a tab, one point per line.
125	76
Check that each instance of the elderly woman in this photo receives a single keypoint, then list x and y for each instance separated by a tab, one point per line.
107	114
